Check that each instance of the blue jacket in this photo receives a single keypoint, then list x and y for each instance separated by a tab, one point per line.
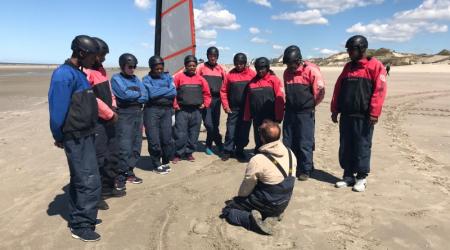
128	89
72	103
160	88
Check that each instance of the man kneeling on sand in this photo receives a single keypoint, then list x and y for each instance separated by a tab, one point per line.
268	184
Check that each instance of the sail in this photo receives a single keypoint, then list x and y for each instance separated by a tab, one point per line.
174	32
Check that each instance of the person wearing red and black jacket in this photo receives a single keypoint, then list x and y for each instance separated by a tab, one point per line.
192	96
304	88
73	116
358	96
265	98
233	94
106	146
215	76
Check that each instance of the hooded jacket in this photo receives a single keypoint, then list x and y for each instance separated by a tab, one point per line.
214	75
106	101
192	91
260	168
233	92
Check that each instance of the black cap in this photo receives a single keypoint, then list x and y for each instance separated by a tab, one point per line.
292	54
262	62
155	60
85	43
358	41
240	58
212	51
190	58
103	47
127	58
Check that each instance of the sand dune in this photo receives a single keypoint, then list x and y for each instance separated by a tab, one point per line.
405	206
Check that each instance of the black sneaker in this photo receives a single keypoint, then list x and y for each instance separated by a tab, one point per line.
120	183
225	157
161	170
167	167
102	205
240	156
114	193
85	234
303	177
134	179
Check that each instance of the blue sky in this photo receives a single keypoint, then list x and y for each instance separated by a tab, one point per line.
41	31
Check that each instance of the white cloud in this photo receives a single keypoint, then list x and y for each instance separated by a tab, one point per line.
206	34
328	51
265	3
406	24
254	30
213	15
277	47
258	40
223	48
142	4
334	6
302	17
152	22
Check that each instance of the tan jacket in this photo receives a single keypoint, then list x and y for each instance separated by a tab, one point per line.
262	169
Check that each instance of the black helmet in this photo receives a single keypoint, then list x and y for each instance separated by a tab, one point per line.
104	49
262	62
292	54
84	43
190	58
127	59
240	58
155	60
212	51
357	41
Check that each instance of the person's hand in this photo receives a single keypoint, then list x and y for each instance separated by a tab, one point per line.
114	118
334	117
202	106
227	110
58	144
373	120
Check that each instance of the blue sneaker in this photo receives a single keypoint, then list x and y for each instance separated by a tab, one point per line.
208	151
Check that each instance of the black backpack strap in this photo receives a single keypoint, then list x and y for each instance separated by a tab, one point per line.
290	161
280	168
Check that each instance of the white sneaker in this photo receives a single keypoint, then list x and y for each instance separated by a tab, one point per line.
347	181
166	167
161	170
360	185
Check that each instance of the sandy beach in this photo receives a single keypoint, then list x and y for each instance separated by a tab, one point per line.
406	204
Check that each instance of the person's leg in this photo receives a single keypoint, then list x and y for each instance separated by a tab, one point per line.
166	135
85	186
363	148
152	129
107	174
137	139
256	123
242	133
345	145
207	121
216	109
291	140
306	142
230	136
125	135
181	132
195	120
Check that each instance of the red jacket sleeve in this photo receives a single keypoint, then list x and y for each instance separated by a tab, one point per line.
206	92
224	93
104	111
176	82
379	90
279	99
318	85
337	91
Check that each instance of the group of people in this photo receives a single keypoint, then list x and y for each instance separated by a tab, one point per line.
99	124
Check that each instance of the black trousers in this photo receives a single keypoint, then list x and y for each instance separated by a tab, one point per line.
298	135
158	128
107	152
238	130
355	145
84	186
186	130
211	119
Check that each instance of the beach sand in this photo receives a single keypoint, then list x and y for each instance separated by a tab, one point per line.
406	204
